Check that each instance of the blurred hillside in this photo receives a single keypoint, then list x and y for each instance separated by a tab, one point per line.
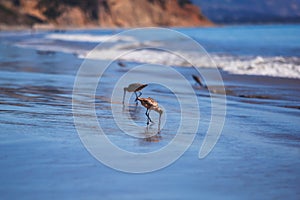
250	11
104	13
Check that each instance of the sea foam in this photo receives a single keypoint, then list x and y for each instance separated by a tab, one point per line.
133	50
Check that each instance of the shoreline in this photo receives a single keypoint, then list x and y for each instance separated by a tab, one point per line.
51	27
43	156
265	59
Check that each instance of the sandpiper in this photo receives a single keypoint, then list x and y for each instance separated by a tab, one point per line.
198	80
151	104
134	87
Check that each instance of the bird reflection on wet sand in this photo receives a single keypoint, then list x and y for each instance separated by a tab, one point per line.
152	135
133	111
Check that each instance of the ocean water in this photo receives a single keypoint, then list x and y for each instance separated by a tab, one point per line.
256	156
269	50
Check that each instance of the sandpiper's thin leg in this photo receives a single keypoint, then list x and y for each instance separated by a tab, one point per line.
147	116
140	94
136	99
136	96
124	96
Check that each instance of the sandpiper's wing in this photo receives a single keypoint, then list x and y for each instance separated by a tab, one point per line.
121	64
152	102
144	102
148	102
197	79
140	87
133	86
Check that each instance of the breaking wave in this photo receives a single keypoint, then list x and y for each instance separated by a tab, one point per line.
277	66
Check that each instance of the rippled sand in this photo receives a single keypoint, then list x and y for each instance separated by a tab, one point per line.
42	157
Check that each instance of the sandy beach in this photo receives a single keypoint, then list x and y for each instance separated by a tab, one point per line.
42	156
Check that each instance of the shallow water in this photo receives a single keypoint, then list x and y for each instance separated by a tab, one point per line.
41	155
254	50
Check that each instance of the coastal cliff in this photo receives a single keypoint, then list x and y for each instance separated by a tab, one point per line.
100	13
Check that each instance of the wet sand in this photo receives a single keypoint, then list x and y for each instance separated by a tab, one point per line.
42	157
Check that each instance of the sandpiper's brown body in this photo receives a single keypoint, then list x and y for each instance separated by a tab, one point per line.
148	103
151	104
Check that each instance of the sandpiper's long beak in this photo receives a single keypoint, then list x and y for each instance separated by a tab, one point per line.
159	122
124	96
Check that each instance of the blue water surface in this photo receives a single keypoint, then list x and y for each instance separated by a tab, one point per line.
42	157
